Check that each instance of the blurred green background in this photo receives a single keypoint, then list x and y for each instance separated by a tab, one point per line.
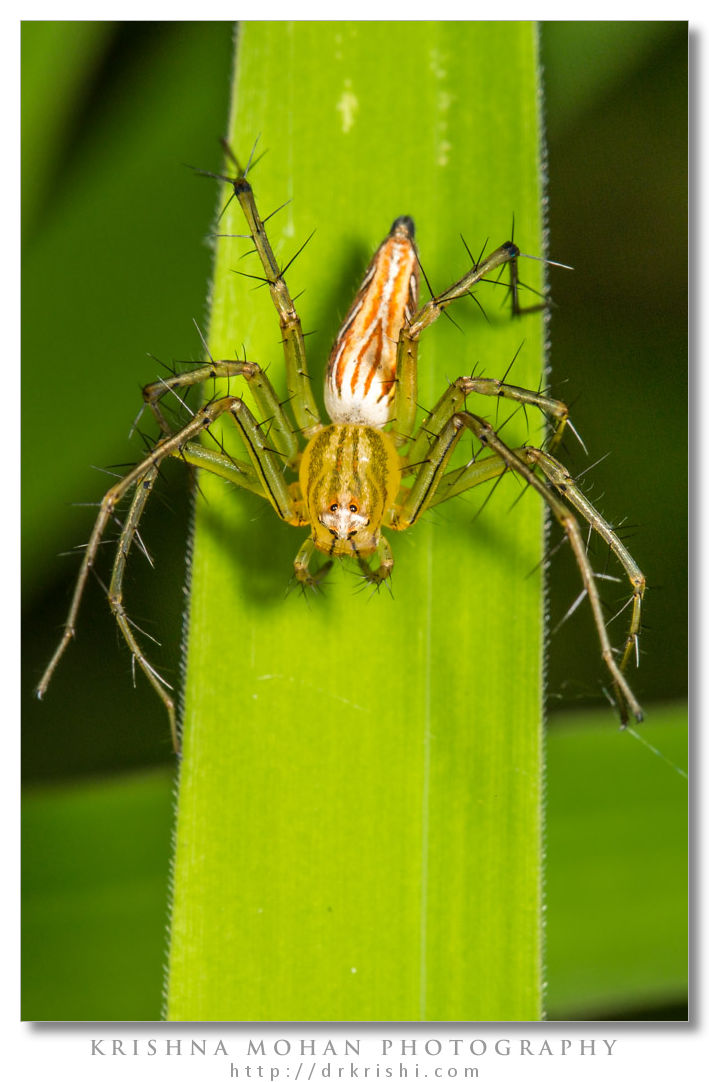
115	264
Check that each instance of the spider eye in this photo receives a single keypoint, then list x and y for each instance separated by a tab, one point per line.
353	508
333	507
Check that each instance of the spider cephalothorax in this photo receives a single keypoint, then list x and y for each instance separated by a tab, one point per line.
349	478
372	467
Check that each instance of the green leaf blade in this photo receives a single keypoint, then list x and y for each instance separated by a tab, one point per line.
359	832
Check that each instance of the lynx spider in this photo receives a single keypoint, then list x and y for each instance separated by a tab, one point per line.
350	471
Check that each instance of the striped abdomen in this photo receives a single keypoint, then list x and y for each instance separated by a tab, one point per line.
361	374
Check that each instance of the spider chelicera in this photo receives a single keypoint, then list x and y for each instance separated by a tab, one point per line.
371	467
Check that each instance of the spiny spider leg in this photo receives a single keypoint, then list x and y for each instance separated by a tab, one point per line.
280	430
268	470
105	515
567	486
514	289
463	478
625	698
301	565
215	460
407	353
523	461
454	482
143	489
453	399
377	575
305	410
263	475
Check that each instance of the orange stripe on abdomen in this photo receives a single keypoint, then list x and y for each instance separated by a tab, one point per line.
361	373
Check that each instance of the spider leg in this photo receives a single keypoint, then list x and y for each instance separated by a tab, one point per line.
567	486
377	575
453	399
407	350
477	472
301	565
281	432
215	460
515	284
143	489
105	515
625	698
299	389
459	480
266	469
555	410
523	461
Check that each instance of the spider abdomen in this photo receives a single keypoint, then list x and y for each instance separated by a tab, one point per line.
361	375
349	479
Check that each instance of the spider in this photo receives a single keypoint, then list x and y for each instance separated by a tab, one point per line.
371	467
